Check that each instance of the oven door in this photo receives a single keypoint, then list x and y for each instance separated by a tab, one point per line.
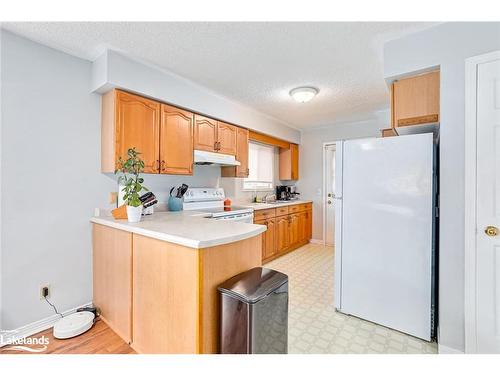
243	218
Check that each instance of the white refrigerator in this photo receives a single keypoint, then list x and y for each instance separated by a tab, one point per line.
385	193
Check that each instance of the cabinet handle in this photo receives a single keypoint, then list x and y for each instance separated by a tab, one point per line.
162	165
158	165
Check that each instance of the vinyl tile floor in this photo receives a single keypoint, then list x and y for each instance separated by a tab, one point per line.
314	327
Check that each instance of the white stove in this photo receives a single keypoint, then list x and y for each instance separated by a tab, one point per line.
211	202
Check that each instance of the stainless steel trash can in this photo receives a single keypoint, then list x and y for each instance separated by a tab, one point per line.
254	313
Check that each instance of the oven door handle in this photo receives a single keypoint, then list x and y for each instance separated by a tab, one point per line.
240	217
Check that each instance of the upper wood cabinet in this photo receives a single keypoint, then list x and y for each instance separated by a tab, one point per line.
205	133
241	155
214	136
163	134
415	100
176	141
226	138
289	162
129	121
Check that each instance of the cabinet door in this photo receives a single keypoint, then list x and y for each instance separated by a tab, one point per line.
294	229
295	161
112	277
138	125
242	152
416	100
289	163
308	224
176	141
282	234
205	133
241	155
264	238
302	226
268	238
226	138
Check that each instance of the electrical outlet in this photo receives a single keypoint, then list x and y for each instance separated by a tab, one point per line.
113	197
44	291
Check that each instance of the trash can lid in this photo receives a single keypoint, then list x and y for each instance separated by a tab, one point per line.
253	285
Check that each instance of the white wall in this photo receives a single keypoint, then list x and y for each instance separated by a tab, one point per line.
113	69
50	179
50	171
310	184
447	46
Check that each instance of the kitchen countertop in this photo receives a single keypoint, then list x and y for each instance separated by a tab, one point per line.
186	228
265	206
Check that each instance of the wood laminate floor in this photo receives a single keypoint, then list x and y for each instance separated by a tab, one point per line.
100	339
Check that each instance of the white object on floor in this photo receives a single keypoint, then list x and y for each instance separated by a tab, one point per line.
385	231
73	325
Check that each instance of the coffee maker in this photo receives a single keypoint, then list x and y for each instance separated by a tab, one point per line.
283	193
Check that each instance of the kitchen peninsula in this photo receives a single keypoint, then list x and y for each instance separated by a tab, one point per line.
156	281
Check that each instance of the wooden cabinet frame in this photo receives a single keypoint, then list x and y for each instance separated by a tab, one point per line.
291	226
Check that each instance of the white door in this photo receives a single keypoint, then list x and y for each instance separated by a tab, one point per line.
387	232
330	193
488	208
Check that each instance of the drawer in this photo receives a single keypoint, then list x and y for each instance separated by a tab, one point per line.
293	209
282	211
264	214
305	206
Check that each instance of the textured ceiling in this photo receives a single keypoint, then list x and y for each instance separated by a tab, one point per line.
256	64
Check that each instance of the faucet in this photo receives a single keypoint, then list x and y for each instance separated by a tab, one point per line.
269	198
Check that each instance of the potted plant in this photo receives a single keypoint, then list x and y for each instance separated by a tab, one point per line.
130	170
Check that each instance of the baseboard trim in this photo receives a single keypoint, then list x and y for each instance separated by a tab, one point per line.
443	349
35	327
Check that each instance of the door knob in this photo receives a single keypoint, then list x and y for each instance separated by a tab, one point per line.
329	195
491	231
329	202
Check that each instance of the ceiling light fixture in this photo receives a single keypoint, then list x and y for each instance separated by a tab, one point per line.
303	94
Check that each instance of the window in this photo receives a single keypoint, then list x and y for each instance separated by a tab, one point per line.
261	165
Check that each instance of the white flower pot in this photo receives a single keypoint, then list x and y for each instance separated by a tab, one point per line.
134	214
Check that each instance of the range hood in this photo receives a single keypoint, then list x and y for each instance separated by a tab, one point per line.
207	158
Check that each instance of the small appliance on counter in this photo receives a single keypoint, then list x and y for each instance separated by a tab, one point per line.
283	192
211	202
286	193
294	195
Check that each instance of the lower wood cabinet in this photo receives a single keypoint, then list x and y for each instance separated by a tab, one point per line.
294	228
162	297
268	238
285	232
112	278
282	234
